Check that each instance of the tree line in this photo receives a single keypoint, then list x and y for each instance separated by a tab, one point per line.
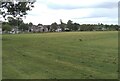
69	26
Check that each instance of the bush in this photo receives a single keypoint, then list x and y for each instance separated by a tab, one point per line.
6	27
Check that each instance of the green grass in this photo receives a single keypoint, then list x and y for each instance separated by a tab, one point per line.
61	55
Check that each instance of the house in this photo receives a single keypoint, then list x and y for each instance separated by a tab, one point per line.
67	29
103	29
38	28
42	28
47	28
14	30
31	28
58	29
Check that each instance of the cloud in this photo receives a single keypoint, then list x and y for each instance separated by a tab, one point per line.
100	15
81	11
48	16
72	6
103	20
108	13
77	4
107	5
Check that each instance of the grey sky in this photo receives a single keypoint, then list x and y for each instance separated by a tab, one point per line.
80	11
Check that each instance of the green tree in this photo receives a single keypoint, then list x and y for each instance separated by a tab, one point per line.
54	26
117	27
15	21
70	24
6	27
62	25
83	27
30	24
76	26
16	8
24	27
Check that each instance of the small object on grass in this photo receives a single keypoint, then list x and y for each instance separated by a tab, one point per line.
23	55
91	76
46	71
82	62
55	78
80	39
101	66
114	62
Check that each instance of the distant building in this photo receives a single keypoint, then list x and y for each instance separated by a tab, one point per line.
39	28
14	30
32	28
47	28
103	29
67	29
58	29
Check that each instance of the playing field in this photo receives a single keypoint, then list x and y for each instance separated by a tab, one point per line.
70	55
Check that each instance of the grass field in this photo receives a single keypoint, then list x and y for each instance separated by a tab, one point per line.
61	55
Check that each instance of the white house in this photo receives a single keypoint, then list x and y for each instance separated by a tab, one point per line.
103	29
58	30
67	29
39	28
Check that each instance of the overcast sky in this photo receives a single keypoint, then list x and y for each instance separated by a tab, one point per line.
80	11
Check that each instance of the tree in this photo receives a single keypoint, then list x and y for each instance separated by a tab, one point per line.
117	27
30	24
6	27
14	22
40	24
76	26
24	27
107	26
82	27
16	8
62	25
54	26
70	24
3	23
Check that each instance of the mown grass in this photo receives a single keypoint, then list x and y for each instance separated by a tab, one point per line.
61	55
